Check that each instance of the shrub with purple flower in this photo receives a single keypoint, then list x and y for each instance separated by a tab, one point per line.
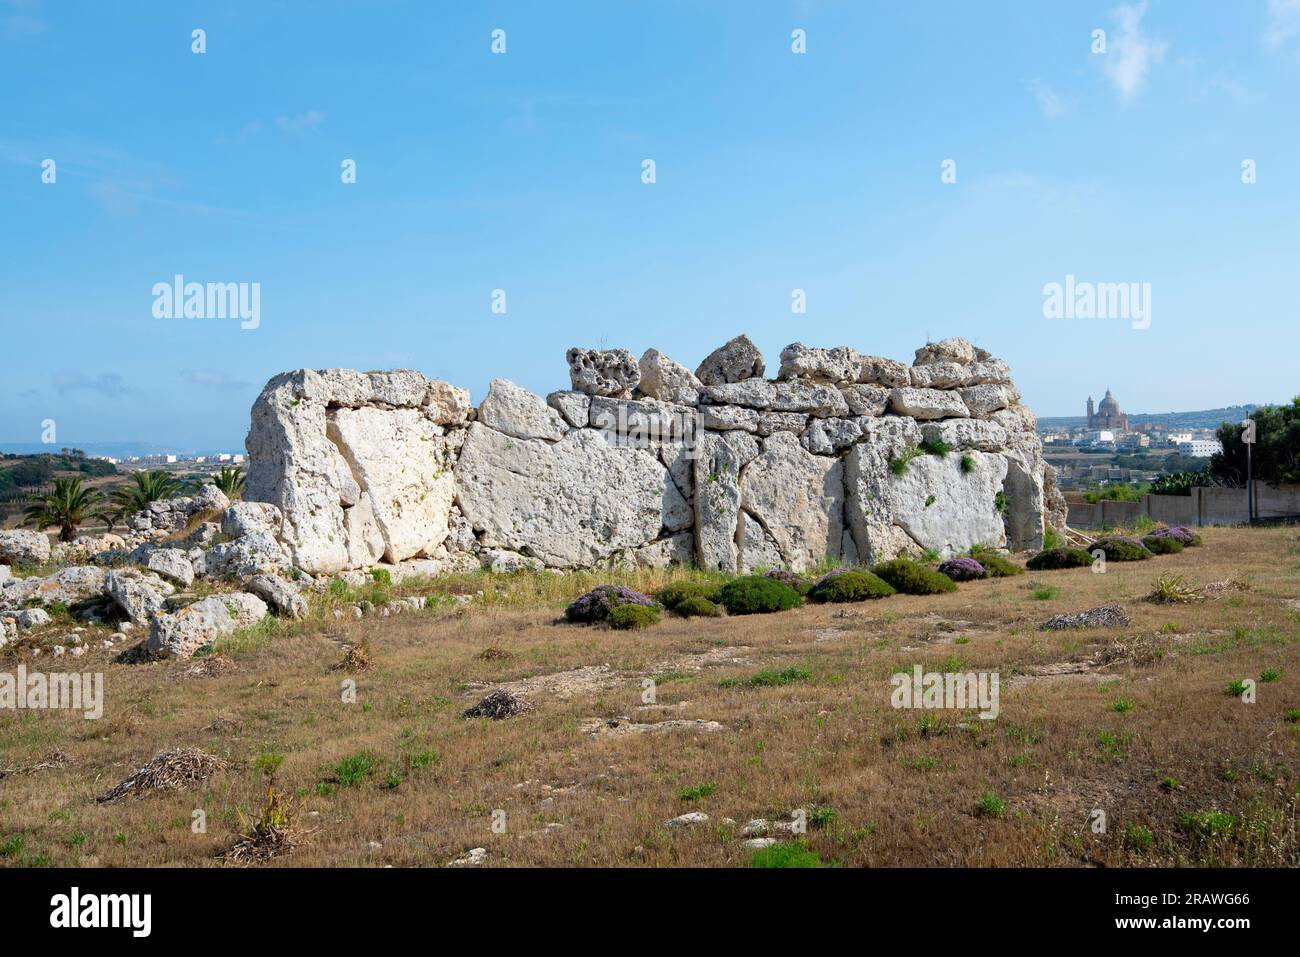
785	577
962	569
828	576
1180	532
596	604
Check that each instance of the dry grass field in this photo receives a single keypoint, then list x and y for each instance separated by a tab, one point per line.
1138	722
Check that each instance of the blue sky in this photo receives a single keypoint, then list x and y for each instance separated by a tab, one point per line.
775	171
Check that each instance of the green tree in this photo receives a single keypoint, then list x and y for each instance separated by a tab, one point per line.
1276	456
147	487
231	481
67	507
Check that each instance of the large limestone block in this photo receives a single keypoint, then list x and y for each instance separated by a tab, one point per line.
294	466
984	400
400	459
866	399
641	423
935	503
572	503
815	398
752	393
515	411
874	370
840	364
607	372
731	362
717	502
798	498
669	381
966	434
946	350
758	549
21	547
928	404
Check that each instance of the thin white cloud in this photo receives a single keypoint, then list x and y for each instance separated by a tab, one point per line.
108	384
1130	54
302	123
1283	23
213	379
1049	103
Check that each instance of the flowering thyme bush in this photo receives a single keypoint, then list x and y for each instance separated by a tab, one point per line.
1179	533
962	569
597	604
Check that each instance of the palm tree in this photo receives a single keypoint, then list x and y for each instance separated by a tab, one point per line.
67	507
149	487
231	481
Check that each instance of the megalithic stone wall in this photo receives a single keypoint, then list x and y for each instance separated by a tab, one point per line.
648	463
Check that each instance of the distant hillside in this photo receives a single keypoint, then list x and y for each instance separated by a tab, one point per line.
1204	419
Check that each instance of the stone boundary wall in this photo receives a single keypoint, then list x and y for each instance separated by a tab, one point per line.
841	456
1204	506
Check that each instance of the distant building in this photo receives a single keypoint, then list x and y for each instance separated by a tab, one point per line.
1106	415
1199	448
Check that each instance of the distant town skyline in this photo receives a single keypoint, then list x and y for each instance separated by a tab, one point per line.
392	190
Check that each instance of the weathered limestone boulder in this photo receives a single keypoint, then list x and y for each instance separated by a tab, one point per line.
403	462
245	609
244	518
751	393
294	466
984	400
830	436
866	399
946	350
502	562
138	594
575	407
815	398
954	375
798	498
935	503
724	417
731	362
638	423
30	618
966	434
608	372
516	411
889	373
869	516
758	550
571	503
927	404
209	498
256	553
24	548
717	502
171	564
446	404
769	422
799	361
675	549
669	381
280	594
180	634
66	586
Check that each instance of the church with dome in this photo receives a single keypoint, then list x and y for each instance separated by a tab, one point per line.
1107	414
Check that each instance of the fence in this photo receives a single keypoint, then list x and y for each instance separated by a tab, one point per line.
1204	506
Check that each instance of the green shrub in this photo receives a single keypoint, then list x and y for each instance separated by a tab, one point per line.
381	576
936	447
697	606
851	586
1053	538
786	854
1123	549
1162	544
674	593
1053	558
999	566
913	578
755	594
631	617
